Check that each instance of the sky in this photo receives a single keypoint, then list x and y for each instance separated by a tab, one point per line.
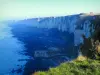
22	9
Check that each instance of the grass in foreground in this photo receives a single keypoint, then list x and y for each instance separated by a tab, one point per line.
86	67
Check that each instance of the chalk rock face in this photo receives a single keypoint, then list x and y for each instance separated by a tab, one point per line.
46	32
73	24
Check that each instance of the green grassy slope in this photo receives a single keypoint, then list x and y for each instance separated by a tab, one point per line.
87	67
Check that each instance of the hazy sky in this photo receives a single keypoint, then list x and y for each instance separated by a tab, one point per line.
10	9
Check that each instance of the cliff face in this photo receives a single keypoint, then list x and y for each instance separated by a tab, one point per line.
59	27
76	24
65	23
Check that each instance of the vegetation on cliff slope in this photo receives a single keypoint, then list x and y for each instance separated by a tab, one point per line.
87	67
